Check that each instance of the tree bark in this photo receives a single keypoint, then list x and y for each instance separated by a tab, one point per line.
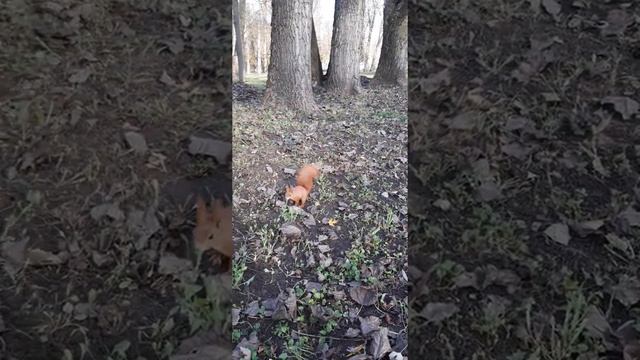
316	63
343	75
392	67
238	10
289	79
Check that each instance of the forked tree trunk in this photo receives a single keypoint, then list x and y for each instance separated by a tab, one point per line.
238	9
343	75
392	67
289	80
316	63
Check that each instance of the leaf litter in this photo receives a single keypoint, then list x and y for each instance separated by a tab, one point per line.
94	209
342	255
542	195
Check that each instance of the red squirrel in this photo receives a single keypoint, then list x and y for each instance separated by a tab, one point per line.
213	228
304	182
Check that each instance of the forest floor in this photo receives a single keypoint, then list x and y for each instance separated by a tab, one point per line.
337	288
524	207
98	105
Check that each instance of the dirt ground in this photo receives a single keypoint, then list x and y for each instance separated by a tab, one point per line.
524	159
98	105
338	288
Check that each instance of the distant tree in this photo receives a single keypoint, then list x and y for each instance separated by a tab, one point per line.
372	9
392	66
289	79
343	75
238	8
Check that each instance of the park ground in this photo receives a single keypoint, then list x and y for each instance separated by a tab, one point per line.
524	161
336	286
99	104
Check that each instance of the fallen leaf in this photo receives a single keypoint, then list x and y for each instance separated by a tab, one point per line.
465	121
380	345
516	150
551	97
121	348
587	227
82	311
435	81
631	351
500	277
617	22
166	79
39	257
619	243
290	231
442	204
552	7
218	286
495	307
136	142
595	323
205	352
515	123
438	312
235	316
171	265
559	233
100	259
623	105
631	216
286	307
220	150
14	252
488	191
369	324
363	295
176	45
143	224
108	209
627	291
252	308
468	279
351	333
80	76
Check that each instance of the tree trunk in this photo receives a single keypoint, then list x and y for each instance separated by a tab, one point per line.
376	52
234	60
289	80
238	9
392	67
258	54
368	56
316	63
343	75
